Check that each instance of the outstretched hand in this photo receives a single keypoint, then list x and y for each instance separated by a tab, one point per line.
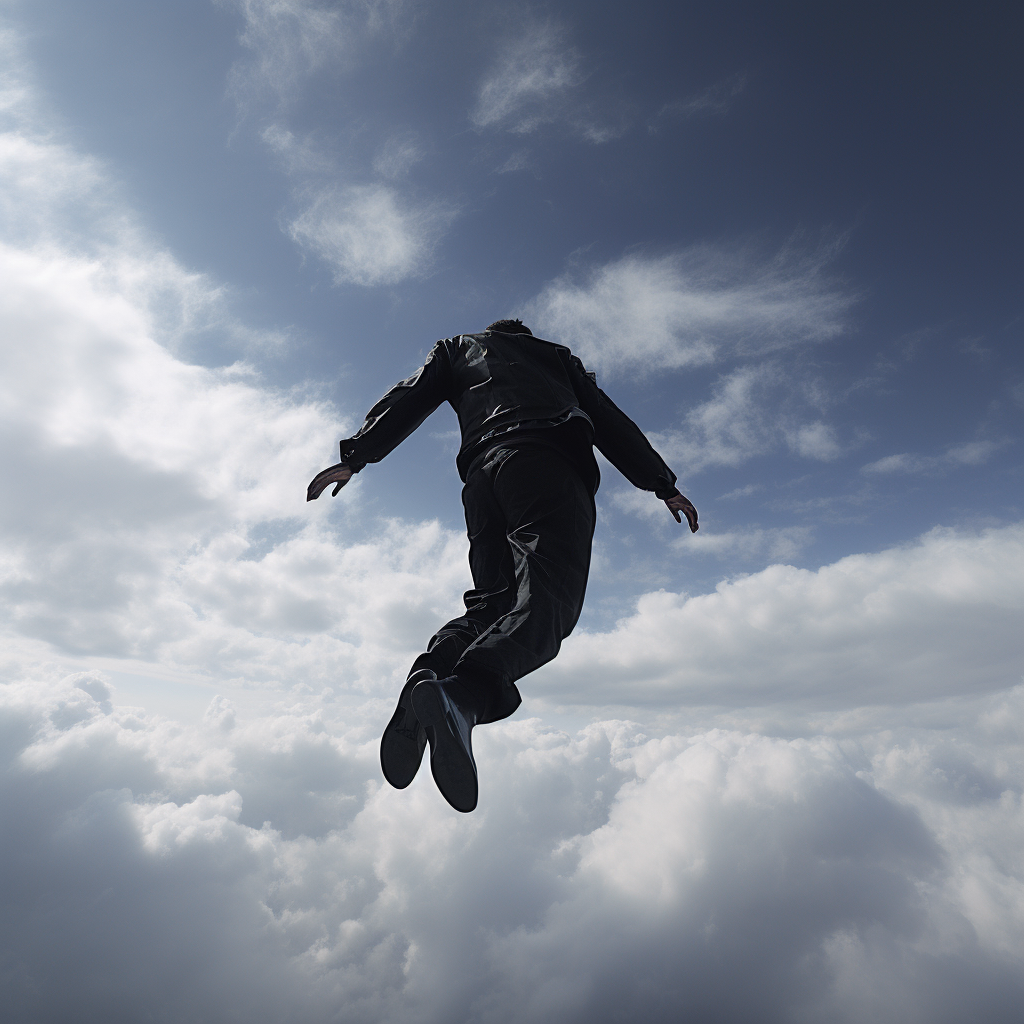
339	474
678	503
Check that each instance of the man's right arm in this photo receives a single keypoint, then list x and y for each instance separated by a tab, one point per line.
391	420
624	445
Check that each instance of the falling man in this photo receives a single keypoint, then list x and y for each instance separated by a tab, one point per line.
531	416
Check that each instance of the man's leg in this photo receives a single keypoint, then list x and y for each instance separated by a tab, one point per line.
494	579
548	518
531	523
490	561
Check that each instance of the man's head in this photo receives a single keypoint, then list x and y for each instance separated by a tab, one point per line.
510	327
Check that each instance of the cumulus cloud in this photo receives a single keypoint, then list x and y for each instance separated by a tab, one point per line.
260	870
643	313
367	235
154	508
935	619
753	410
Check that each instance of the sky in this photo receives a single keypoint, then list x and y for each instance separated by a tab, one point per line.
776	772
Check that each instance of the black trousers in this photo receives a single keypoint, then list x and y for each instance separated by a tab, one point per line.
530	515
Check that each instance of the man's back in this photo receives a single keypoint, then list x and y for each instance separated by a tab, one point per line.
502	383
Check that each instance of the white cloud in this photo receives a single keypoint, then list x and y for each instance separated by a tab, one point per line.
289	40
752	410
971	453
260	870
367	235
928	621
397	156
815	441
254	867
716	99
642	314
154	508
300	156
517	161
741	492
528	81
775	543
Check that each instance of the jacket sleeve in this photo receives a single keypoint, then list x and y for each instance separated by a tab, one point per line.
619	439
400	411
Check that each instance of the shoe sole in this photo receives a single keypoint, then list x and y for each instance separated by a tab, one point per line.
450	763
400	748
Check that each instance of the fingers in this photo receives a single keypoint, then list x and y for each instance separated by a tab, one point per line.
679	503
339	474
691	517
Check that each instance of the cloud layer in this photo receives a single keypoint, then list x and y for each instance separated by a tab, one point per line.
606	875
932	620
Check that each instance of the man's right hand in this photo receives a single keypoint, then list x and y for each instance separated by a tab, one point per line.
339	474
678	503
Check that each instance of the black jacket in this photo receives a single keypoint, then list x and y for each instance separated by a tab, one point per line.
501	383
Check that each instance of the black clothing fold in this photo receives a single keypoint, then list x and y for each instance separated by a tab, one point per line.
503	383
530	516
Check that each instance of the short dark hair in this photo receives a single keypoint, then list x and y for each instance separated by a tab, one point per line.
510	327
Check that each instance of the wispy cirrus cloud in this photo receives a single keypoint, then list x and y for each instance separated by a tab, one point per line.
970	453
642	313
717	99
529	81
755	409
289	40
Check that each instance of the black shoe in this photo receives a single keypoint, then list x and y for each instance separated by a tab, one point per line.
448	729
401	746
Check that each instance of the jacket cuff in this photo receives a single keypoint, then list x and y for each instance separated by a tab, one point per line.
346	457
666	492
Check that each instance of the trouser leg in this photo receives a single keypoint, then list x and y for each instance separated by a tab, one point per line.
494	578
530	519
549	519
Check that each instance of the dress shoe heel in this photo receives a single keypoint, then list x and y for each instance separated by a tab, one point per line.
448	729
401	746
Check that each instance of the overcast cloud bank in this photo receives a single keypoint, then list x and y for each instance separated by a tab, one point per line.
606	875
